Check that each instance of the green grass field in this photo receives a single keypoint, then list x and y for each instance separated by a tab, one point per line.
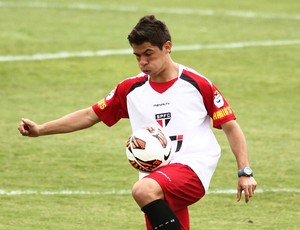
250	50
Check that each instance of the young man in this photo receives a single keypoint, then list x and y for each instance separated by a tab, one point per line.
179	100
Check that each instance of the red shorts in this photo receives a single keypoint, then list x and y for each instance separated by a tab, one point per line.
181	186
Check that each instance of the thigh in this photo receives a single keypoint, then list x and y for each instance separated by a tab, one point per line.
180	184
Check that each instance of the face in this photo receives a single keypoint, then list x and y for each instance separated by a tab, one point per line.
150	58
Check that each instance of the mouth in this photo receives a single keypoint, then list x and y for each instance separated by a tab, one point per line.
146	71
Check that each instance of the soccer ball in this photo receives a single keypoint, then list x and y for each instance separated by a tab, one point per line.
148	149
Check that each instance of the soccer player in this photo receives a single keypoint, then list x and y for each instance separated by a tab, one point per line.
180	101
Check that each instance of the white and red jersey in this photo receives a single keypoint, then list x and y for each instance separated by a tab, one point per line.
182	107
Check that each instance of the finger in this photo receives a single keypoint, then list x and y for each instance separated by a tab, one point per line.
28	124
239	194
252	190
24	132
247	195
24	127
21	128
247	198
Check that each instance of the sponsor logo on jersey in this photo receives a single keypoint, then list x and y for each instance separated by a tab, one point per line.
102	104
163	119
222	113
161	104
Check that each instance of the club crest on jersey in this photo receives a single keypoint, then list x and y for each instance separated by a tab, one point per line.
163	119
110	95
218	99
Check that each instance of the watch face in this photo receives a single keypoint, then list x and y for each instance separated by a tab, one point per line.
248	171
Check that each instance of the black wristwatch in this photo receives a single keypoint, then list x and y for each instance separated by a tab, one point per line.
247	171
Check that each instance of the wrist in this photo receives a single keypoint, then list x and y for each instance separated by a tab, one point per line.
246	171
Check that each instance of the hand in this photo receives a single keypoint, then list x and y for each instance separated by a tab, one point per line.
28	128
248	185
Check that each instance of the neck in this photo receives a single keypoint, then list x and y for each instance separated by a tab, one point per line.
169	73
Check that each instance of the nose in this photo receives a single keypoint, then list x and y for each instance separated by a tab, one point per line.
143	61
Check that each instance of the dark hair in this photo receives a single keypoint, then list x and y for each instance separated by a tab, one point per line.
149	29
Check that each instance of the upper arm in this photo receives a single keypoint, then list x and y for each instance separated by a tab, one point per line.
228	126
234	133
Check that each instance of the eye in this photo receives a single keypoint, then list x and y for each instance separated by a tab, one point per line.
148	54
137	56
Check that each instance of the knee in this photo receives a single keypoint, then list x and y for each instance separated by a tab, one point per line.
146	191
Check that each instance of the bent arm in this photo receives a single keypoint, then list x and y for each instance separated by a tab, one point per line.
78	120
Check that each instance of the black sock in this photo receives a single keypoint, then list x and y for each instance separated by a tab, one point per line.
161	216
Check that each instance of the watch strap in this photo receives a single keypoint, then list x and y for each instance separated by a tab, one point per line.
247	171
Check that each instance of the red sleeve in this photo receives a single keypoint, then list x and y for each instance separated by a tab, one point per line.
114	107
216	105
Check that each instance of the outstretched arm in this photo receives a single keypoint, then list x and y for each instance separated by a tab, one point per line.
78	120
238	146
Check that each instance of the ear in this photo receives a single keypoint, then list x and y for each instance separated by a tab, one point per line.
168	46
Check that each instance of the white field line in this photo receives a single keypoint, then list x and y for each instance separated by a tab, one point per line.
181	11
127	192
194	47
